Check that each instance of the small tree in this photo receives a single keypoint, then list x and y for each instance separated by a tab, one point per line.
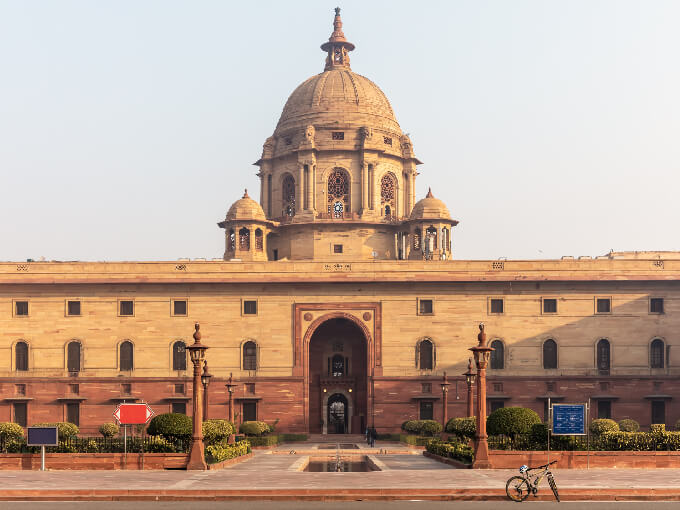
215	431
462	427
171	426
628	425
511	421
65	430
602	426
254	428
109	430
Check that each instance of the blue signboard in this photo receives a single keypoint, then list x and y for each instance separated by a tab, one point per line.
42	436
569	419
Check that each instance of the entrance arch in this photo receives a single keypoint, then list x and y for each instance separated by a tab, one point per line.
338	357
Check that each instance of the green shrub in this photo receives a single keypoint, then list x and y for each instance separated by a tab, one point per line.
411	426
638	441
221	452
414	440
254	428
292	438
628	425
65	430
452	450
603	425
171	426
10	432
158	444
422	427
109	429
269	440
677	425
511	421
215	431
388	437
91	446
462	427
657	428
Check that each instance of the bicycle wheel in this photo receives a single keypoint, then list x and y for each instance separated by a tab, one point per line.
517	488
553	486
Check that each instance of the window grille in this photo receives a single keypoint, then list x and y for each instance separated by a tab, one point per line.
288	195
426	355
244	239
21	356
73	357
656	353
338	135
497	360
338	193
179	356
259	240
549	354
388	194
250	356
603	360
126	355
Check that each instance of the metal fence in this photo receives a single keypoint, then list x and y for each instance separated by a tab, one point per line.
149	444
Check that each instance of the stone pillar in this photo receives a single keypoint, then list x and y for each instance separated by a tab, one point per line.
309	188
300	191
371	185
364	186
445	402
481	353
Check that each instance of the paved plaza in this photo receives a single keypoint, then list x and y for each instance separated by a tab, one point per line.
272	474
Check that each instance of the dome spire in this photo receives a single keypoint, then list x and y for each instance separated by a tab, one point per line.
337	46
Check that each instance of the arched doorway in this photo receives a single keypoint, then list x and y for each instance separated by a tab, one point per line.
337	411
338	378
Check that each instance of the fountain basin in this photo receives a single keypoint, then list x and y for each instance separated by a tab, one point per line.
329	463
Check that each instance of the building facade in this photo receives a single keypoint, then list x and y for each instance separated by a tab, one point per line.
337	303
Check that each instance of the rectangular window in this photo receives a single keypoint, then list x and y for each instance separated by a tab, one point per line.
338	135
73	308
496	305
497	387
426	410
179	407
21	308
20	413
425	307
603	305
179	307
549	305
249	411
550	386
74	389
249	307
126	308
658	411
179	389
126	389
656	305
337	248
73	413
20	389
427	387
604	386
387	140
250	388
604	409
496	404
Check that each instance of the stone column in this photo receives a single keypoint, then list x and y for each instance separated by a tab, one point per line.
300	192
309	188
364	186
371	185
481	353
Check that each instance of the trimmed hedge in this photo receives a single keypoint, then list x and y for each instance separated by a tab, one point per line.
254	428
598	427
109	429
462	427
629	426
422	427
11	432
452	450
414	440
65	430
171	426
215	431
270	440
221	452
292	438
511	421
389	437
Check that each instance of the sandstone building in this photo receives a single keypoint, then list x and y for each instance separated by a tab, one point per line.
338	302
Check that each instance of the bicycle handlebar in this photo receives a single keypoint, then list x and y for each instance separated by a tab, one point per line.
544	465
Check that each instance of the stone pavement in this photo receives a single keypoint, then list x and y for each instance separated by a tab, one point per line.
270	474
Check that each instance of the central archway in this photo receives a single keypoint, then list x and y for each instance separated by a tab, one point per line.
338	376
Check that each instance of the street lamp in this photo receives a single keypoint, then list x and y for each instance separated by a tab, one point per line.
445	403
205	380
197	355
470	377
482	352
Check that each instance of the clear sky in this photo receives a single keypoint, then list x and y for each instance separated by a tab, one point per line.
127	128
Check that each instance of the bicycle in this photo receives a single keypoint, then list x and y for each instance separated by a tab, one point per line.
518	488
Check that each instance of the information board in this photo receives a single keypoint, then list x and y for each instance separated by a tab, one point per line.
569	419
42	436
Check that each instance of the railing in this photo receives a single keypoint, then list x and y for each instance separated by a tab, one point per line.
338	381
151	444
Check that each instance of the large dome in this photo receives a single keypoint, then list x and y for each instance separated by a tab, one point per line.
337	94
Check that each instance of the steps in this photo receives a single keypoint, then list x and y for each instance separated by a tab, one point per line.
336	438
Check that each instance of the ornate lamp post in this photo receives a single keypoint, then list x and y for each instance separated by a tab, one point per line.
482	353
205	380
445	401
470	377
230	388
197	355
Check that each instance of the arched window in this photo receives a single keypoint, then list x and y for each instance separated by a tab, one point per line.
430	241
603	357
73	357
179	356
388	194
126	355
549	354
232	240
250	356
338	193
338	365
655	353
497	355
21	356
259	243
288	195
244	239
425	355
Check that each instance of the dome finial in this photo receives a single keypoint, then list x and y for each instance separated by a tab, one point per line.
429	193
337	46
245	193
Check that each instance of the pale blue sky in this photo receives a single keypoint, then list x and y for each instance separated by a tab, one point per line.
127	128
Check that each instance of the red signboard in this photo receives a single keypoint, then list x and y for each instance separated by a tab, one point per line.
133	414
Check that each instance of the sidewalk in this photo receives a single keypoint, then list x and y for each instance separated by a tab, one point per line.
271	475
